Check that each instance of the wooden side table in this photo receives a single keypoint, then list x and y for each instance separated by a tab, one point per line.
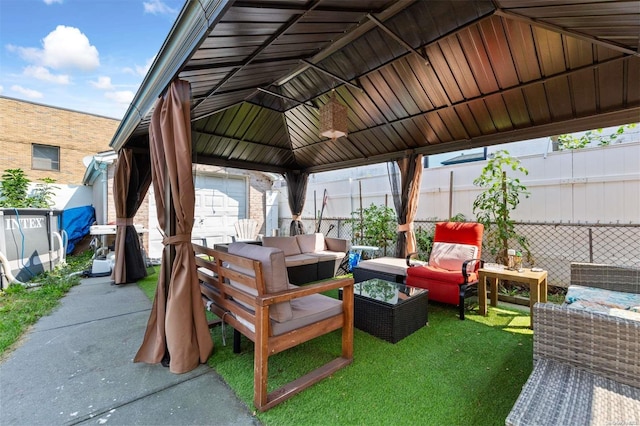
537	282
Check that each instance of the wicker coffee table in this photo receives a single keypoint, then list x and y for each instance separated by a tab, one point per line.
388	310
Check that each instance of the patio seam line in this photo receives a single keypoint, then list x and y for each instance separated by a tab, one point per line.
90	321
103	411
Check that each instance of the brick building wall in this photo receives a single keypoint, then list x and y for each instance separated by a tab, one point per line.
77	134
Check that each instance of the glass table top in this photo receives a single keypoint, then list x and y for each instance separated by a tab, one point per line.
386	291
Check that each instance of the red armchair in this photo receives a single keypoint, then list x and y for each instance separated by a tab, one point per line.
453	265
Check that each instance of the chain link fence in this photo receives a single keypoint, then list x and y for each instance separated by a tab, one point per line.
553	245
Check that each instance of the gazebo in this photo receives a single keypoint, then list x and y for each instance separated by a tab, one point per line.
302	86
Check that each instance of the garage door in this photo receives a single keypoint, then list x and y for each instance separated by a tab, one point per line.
220	201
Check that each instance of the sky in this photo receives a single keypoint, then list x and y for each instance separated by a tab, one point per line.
83	55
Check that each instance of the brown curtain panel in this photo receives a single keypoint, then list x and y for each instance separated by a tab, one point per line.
177	330
130	184
297	189
405	177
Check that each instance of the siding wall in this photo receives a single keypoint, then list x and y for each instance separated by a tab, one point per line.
591	185
77	134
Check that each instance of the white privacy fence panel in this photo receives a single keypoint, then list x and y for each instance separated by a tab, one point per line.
593	185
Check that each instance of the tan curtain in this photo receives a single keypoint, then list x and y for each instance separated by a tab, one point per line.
405	177
131	181
177	329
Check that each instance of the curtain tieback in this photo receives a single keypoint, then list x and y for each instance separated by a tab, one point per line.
405	227
124	221
296	217
177	239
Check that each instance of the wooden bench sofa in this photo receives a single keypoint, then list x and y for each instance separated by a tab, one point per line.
247	288
586	362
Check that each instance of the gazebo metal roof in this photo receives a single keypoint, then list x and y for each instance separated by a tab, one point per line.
416	76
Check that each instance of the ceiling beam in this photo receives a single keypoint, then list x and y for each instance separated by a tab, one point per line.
278	95
332	75
395	36
237	164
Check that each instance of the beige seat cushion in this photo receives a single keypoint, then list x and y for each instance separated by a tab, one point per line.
390	265
325	255
288	245
310	243
308	310
274	272
300	259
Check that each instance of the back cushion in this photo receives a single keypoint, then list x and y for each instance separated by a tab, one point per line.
460	233
274	272
451	256
310	243
288	245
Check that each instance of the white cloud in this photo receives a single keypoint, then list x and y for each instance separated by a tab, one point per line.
63	48
27	93
103	83
41	73
121	97
157	7
1	89
50	2
140	70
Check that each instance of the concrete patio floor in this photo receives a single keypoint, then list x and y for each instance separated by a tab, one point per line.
75	367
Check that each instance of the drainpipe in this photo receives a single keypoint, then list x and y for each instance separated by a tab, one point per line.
103	168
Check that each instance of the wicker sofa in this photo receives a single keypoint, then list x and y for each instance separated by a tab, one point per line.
586	363
310	257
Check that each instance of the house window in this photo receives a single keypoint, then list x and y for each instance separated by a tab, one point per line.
45	157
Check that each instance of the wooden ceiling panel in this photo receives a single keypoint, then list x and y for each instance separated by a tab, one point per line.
537	103
442	73
584	100
479	63
459	66
525	58
499	52
550	51
482	117
559	97
612	85
517	108
499	112
468	120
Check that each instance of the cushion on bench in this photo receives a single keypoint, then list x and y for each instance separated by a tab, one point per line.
616	303
273	271
310	243
389	265
300	259
288	245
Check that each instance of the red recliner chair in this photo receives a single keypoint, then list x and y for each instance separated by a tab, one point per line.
453	263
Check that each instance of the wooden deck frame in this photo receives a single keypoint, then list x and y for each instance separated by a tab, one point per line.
222	299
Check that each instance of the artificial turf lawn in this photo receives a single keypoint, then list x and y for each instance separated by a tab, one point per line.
450	372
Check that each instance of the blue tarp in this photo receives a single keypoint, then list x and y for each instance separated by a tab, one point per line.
77	223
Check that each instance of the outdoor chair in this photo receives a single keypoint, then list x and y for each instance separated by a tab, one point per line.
452	270
246	230
248	289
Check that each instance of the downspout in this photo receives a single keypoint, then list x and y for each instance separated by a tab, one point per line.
103	168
